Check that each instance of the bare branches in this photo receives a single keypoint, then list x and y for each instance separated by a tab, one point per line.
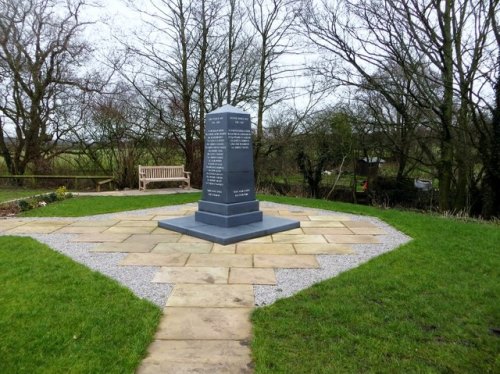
40	51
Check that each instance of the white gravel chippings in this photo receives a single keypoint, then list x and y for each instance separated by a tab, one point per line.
289	281
136	278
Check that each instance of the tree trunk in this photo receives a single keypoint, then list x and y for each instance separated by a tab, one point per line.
491	158
203	62
260	109
446	138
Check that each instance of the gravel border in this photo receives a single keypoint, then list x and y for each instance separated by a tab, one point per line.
289	281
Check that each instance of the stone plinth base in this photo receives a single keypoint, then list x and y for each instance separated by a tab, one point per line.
228	215
228	235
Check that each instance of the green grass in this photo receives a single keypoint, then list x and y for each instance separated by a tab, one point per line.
57	316
7	194
426	307
89	205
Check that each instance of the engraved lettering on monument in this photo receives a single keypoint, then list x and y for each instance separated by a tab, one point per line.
228	211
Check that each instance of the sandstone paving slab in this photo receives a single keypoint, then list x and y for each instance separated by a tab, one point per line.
137	223
212	295
96	222
162	217
322	248
122	247
297	231
252	276
280	238
34	229
152	239
223	352
134	217
170	213
285	261
101	238
162	231
41	222
192	239
10	224
219	248
192	275
81	229
168	367
328	217
262	239
295	212
327	231
265	248
129	230
368	231
295	217
365	224
352	239
220	260
307	224
205	323
155	259
183	247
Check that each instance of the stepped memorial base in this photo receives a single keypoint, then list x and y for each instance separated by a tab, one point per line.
228	235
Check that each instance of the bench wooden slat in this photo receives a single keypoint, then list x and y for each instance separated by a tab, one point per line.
149	174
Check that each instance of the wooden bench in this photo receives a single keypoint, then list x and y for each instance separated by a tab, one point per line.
148	174
98	180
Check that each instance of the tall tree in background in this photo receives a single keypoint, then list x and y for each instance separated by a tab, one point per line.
424	39
272	21
163	70
188	63
41	50
401	128
486	117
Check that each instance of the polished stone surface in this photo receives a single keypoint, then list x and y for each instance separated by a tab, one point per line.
228	235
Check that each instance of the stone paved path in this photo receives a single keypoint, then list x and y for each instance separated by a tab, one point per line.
205	327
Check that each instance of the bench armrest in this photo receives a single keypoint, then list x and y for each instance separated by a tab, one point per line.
188	173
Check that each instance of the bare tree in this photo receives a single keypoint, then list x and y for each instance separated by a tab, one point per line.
232	68
163	71
401	132
41	51
424	38
486	118
272	21
116	134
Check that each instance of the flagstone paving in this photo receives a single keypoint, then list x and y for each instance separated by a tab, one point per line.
206	326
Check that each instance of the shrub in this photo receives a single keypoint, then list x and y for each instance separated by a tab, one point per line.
42	200
62	193
389	191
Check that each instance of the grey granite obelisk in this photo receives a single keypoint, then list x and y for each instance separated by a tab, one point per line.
228	211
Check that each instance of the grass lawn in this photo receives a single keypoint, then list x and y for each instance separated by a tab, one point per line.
429	306
7	194
426	307
89	205
57	316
